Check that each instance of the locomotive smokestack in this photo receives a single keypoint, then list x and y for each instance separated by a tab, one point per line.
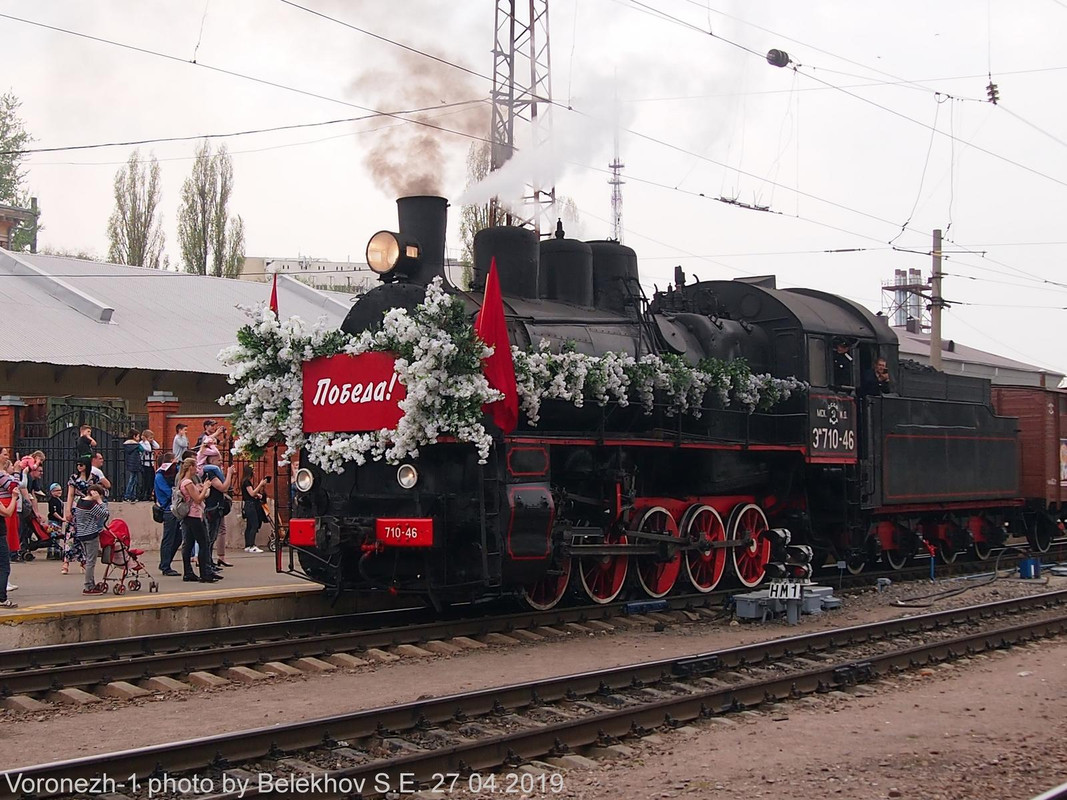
424	217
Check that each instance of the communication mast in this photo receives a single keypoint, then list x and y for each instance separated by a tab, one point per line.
522	96
616	182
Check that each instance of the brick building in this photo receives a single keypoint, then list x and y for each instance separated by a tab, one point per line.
118	346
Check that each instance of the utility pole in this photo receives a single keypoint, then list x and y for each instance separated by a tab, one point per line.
935	304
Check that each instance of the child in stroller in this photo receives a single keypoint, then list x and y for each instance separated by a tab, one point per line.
116	554
55	522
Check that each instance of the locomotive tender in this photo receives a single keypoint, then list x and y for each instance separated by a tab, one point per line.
602	500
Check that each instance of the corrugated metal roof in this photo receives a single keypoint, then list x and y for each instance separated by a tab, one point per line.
72	312
918	344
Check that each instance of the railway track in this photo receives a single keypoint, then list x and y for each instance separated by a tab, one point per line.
117	668
458	737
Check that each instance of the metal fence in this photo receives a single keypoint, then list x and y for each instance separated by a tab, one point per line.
61	447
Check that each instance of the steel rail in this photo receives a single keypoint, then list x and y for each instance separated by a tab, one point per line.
274	741
135	658
85	664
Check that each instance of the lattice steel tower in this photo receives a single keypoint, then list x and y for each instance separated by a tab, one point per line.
522	91
616	182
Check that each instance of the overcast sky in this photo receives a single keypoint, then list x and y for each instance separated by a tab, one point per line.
884	121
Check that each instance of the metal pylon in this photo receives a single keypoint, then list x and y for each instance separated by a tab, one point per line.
522	93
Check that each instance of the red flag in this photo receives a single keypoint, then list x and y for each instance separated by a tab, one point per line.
499	367
274	295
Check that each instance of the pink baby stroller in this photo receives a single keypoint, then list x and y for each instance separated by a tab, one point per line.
116	554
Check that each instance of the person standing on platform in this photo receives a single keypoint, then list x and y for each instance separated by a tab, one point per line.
7	512
164	489
77	487
217	504
149	446
9	496
98	471
131	453
252	500
86	443
211	429
181	441
193	529
32	471
91	514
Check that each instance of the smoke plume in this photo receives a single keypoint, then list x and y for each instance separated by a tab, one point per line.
407	158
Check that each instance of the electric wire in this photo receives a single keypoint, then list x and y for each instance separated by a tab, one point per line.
862	99
387	40
460	133
235	74
399	115
922	176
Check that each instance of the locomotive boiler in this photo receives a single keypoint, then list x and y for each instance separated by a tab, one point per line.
608	500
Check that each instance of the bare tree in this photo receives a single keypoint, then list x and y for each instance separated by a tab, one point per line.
68	252
472	218
134	232
212	242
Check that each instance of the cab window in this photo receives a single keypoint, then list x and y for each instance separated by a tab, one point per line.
817	362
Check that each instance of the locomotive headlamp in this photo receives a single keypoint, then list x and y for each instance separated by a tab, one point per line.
386	251
304	480
407	476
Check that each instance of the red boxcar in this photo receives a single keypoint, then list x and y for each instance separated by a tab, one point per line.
1042	415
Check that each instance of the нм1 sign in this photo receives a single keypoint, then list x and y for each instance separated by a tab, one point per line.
352	393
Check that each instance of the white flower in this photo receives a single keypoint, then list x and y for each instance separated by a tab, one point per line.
440	365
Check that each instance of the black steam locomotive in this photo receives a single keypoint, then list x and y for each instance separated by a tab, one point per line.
606	500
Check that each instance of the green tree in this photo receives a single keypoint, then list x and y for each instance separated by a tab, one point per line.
13	140
134	232
211	240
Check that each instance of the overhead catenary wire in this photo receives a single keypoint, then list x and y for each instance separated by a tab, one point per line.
424	122
441	128
246	132
236	74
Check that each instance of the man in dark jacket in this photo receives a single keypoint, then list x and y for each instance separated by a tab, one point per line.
164	489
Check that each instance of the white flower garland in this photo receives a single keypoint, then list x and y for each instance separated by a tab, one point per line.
439	361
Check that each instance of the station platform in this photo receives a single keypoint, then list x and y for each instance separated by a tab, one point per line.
53	610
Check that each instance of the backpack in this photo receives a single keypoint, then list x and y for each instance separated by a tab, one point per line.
179	506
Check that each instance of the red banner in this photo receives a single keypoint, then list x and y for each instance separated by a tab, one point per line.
349	394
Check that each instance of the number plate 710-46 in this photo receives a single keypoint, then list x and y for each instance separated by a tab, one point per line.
410	532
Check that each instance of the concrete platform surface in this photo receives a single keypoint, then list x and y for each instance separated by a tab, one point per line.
53	610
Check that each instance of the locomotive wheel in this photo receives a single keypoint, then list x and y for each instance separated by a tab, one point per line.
947	552
655	575
1043	532
896	559
983	550
543	594
855	566
702	524
750	563
602	577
